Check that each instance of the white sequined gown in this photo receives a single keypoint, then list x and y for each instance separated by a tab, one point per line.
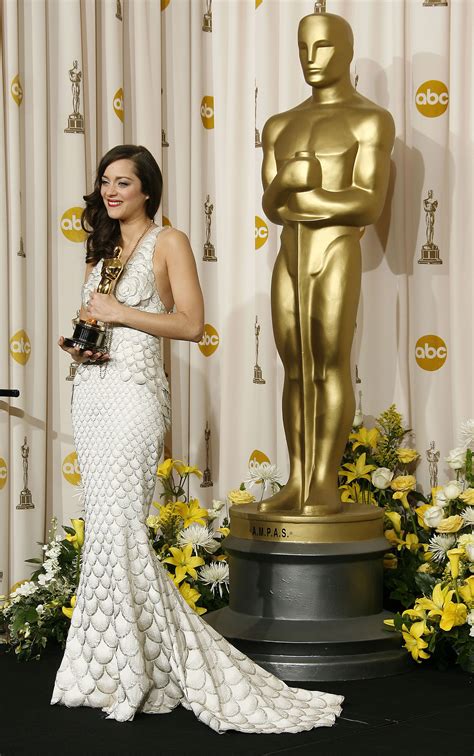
134	644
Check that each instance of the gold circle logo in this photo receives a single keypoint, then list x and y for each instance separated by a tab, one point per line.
71	470
209	341
118	103
20	347
166	221
431	352
164	4
432	98
261	232
258	457
258	2
17	90
71	225
207	112
3	473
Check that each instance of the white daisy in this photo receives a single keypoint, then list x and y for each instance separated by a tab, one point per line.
216	575
468	515
439	545
264	474
467	434
199	537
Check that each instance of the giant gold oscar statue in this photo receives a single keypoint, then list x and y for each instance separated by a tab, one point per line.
305	572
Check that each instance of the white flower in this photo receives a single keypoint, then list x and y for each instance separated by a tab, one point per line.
451	490
217	505
469	547
468	515
53	551
470	621
381	477
45	579
440	544
198	536
26	589
265	474
439	499
358	419
433	516
40	609
216	575
467	434
456	458
51	566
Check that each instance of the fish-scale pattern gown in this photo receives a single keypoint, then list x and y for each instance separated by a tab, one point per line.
134	644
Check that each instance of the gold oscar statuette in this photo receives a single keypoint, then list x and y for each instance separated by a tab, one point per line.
91	334
207	17
430	251
326	165
26	498
257	370
207	481
75	123
209	249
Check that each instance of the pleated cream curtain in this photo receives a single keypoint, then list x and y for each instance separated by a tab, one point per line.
195	80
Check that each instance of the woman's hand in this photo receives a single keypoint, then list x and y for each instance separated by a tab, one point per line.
81	355
104	307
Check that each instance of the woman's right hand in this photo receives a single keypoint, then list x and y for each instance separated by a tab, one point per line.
81	355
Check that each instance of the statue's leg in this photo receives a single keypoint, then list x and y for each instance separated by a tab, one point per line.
287	338
334	301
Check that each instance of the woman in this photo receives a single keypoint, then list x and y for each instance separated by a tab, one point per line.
134	643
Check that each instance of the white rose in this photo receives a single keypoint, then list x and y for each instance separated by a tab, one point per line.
470	551
456	458
433	516
381	478
452	490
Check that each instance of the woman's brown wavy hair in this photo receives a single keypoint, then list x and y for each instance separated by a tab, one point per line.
104	232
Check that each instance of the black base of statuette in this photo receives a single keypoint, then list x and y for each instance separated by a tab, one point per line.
88	336
308	612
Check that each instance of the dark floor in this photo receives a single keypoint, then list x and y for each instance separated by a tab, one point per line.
424	712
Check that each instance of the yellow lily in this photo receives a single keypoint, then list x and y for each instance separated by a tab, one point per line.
68	610
191	512
191	596
165	469
466	591
414	643
183	469
365	437
453	615
435	604
395	519
184	562
358	471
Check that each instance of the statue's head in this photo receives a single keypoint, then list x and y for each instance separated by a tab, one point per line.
326	45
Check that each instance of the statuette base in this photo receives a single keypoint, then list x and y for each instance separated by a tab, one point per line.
26	500
75	124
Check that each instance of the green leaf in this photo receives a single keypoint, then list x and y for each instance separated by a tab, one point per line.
425	582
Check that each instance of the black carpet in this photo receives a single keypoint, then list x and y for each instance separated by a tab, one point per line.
424	712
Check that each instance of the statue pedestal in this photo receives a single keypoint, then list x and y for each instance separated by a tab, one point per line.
309	610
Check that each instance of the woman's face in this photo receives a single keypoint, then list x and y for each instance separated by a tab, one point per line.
121	190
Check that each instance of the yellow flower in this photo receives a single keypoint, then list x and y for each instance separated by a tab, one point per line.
184	562
68	610
78	526
417	612
412	543
391	536
467	496
390	561
358	471
365	437
414	643
395	519
165	469
406	456
236	496
425	568
225	531
403	483
191	512
450	524
350	493
434	492
153	521
183	469
221	558
389	623
420	511
435	604
453	615
191	596
454	556
466	590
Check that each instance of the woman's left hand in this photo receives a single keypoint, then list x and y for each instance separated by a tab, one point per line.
104	307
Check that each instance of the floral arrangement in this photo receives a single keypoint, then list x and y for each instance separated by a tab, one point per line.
429	571
39	609
185	542
262	474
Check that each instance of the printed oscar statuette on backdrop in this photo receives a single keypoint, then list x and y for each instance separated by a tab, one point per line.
207	17
26	498
209	249
258	140
429	250
207	481
75	123
91	334
434	3
257	370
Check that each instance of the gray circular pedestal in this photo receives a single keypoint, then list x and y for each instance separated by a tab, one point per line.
310	611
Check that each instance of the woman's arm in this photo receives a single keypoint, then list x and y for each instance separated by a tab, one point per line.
174	255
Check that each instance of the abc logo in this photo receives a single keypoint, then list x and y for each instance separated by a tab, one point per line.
71	225
258	2
430	352
261	232
16	90
3	473
207	112
164	4
166	221
257	458
118	103
71	469
210	341
432	98
20	347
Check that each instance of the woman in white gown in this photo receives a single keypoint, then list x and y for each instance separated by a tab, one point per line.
134	644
